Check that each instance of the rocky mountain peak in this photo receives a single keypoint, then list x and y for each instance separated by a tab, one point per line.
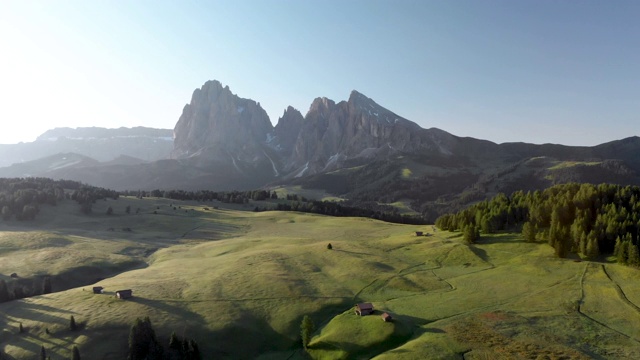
217	117
287	130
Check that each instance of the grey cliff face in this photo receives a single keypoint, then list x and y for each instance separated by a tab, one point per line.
287	130
219	127
217	118
354	129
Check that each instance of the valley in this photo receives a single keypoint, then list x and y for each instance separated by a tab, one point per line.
239	283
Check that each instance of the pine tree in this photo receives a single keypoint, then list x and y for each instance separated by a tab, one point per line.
306	330
593	250
76	353
72	324
528	232
329	246
623	252
584	244
633	256
174	342
43	353
470	234
142	339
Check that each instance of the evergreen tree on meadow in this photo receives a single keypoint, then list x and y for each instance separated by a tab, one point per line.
470	234
72	324
43	353
75	353
306	330
142	340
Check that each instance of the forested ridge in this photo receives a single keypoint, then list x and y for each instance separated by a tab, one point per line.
575	218
21	198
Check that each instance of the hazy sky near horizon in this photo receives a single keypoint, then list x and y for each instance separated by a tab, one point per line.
534	71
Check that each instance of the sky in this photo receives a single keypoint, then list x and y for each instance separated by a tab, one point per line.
564	72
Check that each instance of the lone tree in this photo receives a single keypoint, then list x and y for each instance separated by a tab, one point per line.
470	234
76	353
43	353
109	210
329	246
72	324
306	330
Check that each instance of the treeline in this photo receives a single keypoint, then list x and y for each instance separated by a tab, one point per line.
17	289
144	345
332	208
573	218
230	197
21	198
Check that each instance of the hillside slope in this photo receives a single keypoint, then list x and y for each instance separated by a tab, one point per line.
237	275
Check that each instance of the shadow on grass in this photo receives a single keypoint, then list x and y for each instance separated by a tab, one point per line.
481	253
353	252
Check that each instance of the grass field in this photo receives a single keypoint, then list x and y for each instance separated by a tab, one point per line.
240	282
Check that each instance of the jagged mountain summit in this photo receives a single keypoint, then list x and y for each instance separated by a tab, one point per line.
221	129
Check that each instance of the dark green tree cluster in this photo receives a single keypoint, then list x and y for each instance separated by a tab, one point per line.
183	348
573	218
22	197
86	196
142	341
232	197
143	344
333	208
22	288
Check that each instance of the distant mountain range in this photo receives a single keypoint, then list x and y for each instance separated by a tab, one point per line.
354	148
146	144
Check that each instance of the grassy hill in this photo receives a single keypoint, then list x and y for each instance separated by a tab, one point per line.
240	282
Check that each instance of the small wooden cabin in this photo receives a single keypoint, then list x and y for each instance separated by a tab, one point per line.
418	233
97	289
363	309
124	294
386	317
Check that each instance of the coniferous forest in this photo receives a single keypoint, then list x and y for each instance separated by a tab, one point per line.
574	218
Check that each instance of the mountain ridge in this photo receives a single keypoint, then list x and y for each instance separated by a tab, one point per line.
354	148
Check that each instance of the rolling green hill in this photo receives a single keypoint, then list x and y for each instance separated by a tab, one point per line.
240	282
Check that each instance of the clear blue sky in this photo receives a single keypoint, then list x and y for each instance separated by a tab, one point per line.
534	71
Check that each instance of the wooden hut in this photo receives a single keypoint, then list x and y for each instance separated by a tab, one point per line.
124	294
418	233
97	289
364	309
386	317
